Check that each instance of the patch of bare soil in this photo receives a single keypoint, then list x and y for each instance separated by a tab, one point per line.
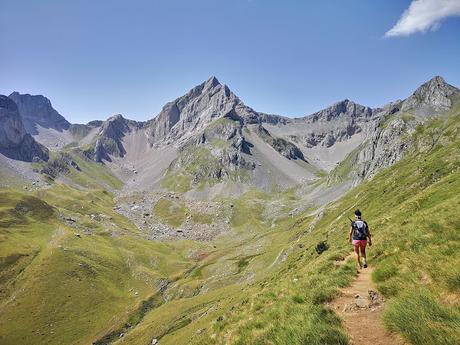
361	308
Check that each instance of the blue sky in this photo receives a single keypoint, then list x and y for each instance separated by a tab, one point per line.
98	58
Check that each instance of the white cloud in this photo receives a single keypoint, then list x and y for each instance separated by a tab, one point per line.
424	15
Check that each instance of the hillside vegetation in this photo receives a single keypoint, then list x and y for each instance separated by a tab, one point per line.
412	209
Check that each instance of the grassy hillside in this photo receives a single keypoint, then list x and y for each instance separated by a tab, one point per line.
74	271
412	209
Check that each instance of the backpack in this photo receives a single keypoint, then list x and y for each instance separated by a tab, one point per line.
360	230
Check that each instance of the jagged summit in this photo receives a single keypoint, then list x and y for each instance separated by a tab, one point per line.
212	81
435	95
191	113
339	109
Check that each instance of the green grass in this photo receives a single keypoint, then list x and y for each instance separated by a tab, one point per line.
177	183
202	218
423	320
56	288
416	202
342	171
171	212
93	175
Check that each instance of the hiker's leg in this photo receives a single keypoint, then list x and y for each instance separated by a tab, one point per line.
363	254
358	259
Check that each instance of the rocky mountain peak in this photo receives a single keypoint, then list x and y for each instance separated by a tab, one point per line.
344	108
211	82
191	113
435	95
110	137
37	110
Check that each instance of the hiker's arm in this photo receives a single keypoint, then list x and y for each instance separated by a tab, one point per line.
349	234
369	236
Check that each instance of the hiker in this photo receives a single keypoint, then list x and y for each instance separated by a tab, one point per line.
358	236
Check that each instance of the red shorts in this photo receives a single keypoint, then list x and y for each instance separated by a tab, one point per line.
360	243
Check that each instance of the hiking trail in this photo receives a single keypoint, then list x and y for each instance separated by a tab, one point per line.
361	308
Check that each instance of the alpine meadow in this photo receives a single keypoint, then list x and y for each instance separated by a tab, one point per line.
212	222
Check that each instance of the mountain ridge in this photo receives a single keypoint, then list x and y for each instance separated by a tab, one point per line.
323	139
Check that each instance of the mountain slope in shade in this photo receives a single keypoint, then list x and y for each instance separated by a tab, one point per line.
15	142
36	110
42	121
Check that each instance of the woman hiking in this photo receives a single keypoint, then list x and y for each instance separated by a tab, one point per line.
358	236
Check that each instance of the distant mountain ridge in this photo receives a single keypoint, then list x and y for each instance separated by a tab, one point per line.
212	120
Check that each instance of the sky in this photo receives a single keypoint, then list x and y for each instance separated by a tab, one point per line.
93	59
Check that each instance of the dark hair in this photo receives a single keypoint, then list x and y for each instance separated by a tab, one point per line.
358	213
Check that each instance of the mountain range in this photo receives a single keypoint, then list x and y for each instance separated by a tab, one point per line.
232	142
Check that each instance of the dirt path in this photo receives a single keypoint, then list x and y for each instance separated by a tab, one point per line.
361	309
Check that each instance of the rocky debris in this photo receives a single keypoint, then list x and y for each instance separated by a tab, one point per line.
135	205
371	301
37	110
154	341
15	142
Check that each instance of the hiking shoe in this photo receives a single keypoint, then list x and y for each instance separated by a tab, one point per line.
365	266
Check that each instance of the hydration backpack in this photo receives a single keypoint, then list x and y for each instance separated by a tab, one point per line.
360	231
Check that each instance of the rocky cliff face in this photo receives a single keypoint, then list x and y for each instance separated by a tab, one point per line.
15	142
191	113
38	111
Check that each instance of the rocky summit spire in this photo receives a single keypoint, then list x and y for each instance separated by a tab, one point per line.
435	94
212	82
191	113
